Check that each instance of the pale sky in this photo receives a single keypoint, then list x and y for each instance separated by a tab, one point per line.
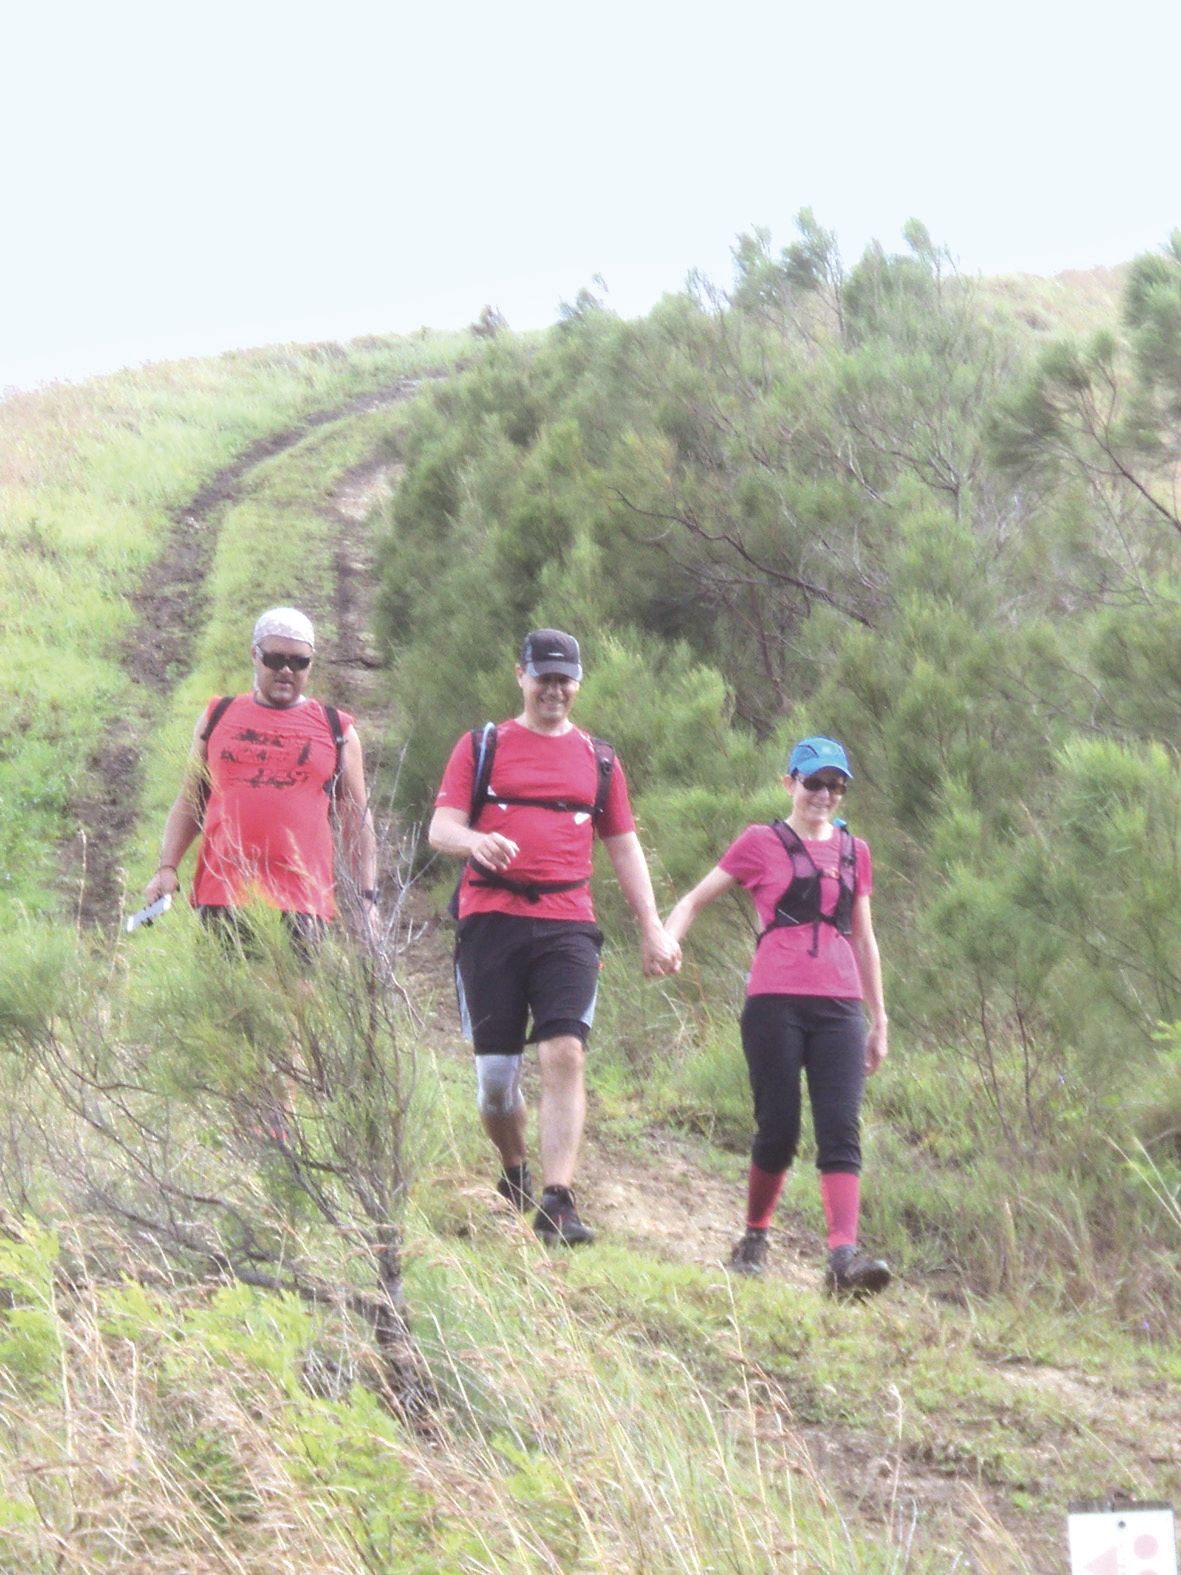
180	180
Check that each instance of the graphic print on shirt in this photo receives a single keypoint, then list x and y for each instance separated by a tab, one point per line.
267	758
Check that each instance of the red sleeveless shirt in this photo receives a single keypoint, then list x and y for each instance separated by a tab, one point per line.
267	829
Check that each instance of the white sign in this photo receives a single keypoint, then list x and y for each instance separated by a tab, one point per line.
1138	1540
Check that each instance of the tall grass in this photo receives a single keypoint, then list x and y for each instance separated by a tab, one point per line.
595	1411
166	1426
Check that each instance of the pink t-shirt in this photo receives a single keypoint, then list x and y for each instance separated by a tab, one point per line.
782	965
555	845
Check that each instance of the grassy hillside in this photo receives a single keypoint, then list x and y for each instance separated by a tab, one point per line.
202	1363
1076	302
110	501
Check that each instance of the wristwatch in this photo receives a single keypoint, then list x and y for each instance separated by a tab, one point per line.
369	893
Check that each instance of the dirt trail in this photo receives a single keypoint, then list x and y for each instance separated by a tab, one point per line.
357	683
170	611
656	1193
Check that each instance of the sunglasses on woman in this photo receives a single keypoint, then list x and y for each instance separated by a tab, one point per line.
276	661
835	785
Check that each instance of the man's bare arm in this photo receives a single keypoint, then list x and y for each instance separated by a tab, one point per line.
450	833
356	821
661	954
183	823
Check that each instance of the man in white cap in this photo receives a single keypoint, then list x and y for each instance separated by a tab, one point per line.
264	772
527	954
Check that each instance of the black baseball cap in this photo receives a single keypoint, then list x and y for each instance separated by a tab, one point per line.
551	651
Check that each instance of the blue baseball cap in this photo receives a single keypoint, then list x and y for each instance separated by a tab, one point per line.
815	754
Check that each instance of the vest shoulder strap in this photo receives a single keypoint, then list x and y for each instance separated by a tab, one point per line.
849	853
220	706
846	855
789	837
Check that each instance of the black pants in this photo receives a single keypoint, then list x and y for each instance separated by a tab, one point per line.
305	931
783	1035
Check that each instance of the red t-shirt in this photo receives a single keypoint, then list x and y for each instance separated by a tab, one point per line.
555	845
782	966
267	829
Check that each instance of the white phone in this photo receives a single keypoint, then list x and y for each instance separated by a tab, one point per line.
152	911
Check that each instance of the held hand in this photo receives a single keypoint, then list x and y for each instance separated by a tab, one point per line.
493	851
875	1048
660	953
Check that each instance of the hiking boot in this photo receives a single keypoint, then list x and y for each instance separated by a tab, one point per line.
850	1273
750	1252
557	1221
516	1185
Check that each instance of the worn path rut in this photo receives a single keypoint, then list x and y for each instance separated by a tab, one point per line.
170	611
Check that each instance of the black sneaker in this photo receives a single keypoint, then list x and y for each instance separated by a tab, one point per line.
557	1221
750	1252
850	1273
516	1184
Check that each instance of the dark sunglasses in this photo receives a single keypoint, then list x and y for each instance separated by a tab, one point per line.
276	661
815	784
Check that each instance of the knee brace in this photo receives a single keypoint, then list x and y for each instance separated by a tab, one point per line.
498	1084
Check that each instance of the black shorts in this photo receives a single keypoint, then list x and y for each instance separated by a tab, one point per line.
509	970
305	931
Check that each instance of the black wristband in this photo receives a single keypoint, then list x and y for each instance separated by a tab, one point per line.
369	893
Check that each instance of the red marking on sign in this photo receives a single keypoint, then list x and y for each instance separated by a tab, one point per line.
1106	1564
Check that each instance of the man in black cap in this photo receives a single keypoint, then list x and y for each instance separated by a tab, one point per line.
527	953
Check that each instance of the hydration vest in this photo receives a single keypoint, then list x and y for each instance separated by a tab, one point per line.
483	755
800	902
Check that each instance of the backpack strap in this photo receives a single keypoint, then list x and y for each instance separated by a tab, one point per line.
846	866
483	740
605	761
531	890
220	706
332	717
483	754
335	727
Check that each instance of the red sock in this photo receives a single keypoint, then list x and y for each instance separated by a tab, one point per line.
762	1194
841	1195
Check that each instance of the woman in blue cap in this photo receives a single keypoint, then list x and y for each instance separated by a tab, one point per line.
816	972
